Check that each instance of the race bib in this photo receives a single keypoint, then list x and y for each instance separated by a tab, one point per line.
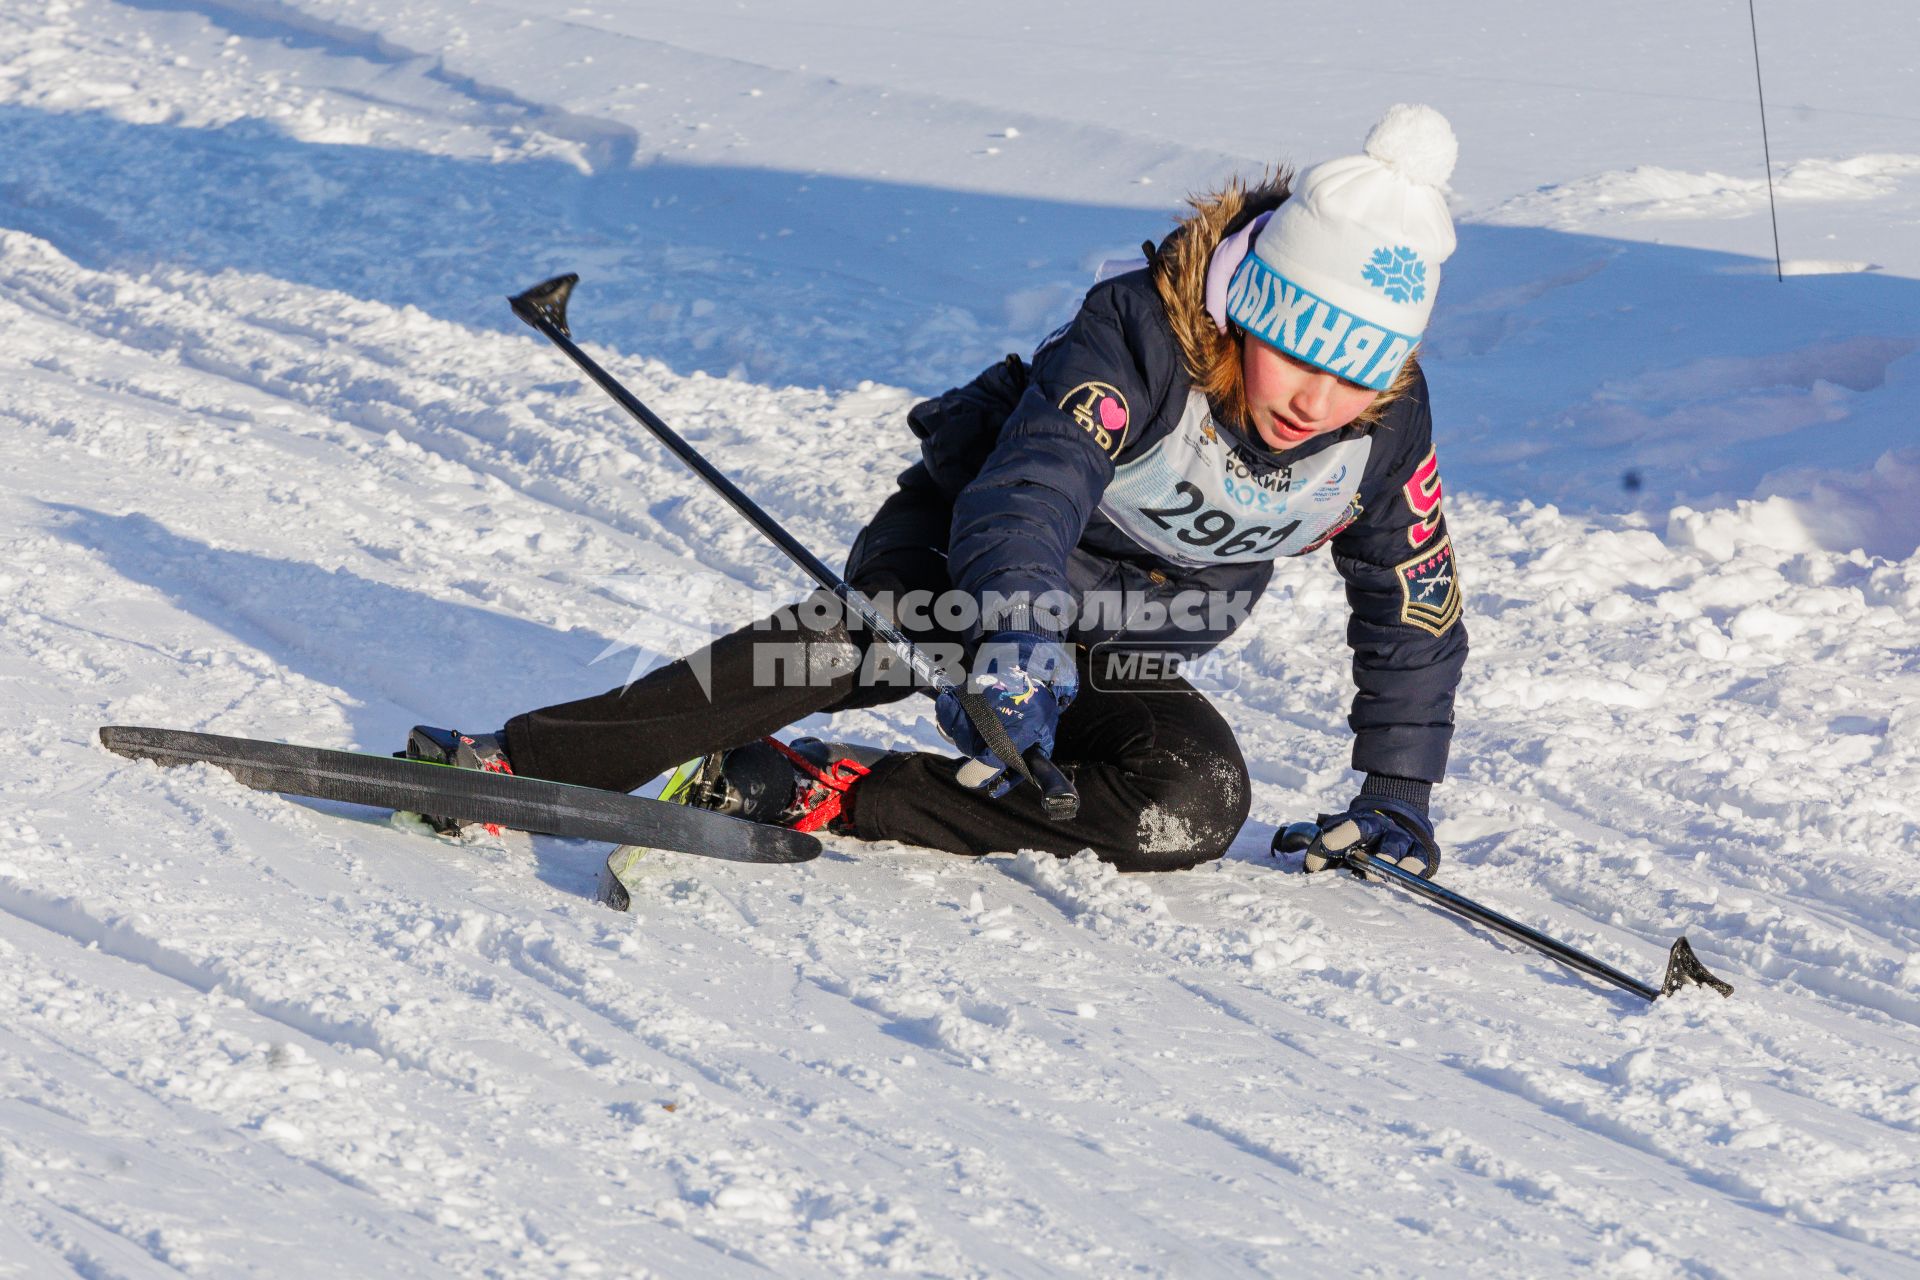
1199	498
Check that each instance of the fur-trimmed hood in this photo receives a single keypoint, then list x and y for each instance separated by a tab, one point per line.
1180	276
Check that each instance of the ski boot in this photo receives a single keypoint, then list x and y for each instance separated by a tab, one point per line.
801	786
486	751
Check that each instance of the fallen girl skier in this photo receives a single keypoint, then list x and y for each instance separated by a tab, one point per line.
1249	392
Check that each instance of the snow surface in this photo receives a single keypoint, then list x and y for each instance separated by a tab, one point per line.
279	462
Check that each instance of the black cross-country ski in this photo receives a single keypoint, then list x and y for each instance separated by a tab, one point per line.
525	804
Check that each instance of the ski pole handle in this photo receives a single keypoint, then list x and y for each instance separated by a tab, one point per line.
1058	799
1296	837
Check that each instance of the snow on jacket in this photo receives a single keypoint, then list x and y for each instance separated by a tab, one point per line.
1105	468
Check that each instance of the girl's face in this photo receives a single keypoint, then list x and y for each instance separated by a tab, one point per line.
1292	401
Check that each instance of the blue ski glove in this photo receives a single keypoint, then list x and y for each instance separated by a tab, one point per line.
1027	680
1395	827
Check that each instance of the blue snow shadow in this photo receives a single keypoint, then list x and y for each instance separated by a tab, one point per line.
782	277
398	657
1576	369
1619	375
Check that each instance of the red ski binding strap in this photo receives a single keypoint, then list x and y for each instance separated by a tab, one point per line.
821	802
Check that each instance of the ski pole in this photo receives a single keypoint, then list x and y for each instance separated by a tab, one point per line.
545	308
1683	967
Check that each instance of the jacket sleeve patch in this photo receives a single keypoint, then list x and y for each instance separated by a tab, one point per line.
1422	492
1430	596
1101	411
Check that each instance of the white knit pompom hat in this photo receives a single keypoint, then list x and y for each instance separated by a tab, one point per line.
1343	274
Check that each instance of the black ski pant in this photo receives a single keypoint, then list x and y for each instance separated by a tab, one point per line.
1162	783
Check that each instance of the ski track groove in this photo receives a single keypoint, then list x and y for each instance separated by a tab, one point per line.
419	407
125	1074
502	955
69	919
1519	1083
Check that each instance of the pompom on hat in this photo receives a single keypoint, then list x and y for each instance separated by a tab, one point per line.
1343	275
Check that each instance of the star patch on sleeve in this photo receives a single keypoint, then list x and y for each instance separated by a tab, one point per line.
1430	589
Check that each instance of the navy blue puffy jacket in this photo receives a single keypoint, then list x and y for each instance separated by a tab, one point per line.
1100	471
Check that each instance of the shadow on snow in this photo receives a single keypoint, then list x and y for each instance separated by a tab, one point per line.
1566	368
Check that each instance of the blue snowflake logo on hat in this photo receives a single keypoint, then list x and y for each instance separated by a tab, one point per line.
1397	272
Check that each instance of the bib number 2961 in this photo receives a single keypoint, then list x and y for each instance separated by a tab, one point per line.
1195	523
